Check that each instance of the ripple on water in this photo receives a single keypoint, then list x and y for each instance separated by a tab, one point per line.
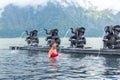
32	65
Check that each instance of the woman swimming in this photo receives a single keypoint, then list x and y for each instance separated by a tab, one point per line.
53	51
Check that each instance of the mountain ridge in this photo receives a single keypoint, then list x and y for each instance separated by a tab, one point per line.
14	20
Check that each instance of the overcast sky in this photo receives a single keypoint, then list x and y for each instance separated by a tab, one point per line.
99	4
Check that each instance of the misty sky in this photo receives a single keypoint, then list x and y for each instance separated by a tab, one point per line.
98	4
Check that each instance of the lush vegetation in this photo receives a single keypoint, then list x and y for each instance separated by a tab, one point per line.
14	20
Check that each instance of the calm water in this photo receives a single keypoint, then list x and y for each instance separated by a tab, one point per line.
33	65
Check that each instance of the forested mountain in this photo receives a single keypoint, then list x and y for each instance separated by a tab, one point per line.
14	20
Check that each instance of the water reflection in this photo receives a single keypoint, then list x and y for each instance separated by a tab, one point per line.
34	65
112	70
99	68
53	65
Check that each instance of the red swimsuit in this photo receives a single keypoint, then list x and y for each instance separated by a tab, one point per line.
54	54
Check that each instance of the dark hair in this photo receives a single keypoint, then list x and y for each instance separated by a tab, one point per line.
52	43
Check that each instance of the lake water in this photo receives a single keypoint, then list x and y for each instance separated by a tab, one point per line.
34	65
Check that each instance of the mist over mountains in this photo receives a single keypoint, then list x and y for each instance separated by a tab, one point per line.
14	19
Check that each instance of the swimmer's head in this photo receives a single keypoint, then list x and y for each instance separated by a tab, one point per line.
53	45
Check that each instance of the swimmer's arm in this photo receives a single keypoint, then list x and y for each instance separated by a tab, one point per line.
49	53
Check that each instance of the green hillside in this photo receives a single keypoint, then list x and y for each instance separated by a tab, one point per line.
14	20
